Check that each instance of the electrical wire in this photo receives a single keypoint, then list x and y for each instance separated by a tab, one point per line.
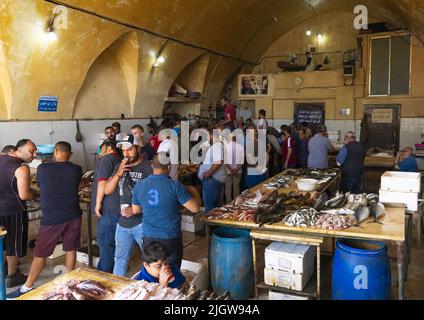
153	33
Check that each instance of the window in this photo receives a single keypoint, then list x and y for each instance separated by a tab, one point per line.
390	65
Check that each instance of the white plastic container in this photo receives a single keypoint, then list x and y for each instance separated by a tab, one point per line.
192	223
82	255
410	199
401	181
289	257
201	279
292	281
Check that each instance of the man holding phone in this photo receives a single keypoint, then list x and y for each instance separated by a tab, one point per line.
129	230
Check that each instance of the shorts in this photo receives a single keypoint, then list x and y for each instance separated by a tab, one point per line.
16	239
49	236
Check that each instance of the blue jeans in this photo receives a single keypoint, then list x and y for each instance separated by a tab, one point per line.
211	193
106	229
253	180
125	238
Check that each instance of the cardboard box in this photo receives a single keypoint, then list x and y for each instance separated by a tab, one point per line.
284	296
396	181
284	279
82	255
201	279
58	251
410	199
192	223
289	257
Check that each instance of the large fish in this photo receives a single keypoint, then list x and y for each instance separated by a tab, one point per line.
377	210
361	214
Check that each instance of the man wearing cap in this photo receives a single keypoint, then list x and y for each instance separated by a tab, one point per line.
351	159
319	146
129	230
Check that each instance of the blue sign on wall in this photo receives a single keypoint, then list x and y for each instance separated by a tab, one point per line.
48	104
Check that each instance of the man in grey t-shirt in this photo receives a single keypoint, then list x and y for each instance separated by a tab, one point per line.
131	170
319	146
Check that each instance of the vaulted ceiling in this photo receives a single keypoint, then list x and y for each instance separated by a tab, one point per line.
242	28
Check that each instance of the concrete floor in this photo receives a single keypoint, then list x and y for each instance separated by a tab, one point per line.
195	249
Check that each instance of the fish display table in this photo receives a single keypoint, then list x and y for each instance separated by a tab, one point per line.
2	271
110	281
391	230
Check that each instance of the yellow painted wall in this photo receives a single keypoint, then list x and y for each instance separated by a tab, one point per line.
105	88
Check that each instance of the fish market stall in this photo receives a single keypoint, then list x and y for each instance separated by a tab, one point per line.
89	284
287	210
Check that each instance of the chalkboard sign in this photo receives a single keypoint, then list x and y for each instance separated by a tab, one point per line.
311	113
48	104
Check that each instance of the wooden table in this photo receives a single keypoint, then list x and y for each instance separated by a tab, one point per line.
386	162
392	230
2	271
110	281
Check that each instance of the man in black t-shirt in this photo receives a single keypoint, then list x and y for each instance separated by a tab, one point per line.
131	170
58	182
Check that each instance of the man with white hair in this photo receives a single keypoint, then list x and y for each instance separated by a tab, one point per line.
351	159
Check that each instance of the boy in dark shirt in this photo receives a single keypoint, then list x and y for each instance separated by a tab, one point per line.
157	269
58	182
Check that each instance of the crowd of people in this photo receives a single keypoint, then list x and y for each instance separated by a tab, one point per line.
137	197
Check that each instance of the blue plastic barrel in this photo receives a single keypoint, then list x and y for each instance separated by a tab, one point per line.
231	262
361	271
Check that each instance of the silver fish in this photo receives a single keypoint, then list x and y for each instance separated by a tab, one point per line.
377	210
361	214
322	199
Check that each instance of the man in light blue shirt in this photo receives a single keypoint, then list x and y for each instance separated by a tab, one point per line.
319	146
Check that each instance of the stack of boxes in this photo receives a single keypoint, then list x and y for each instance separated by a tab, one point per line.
401	187
419	150
289	265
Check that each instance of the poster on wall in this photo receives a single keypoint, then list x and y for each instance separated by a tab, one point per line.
382	116
255	85
311	114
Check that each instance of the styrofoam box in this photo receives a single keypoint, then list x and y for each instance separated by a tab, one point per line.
410	199
192	223
401	181
289	257
201	279
82	256
272	295
58	251
292	281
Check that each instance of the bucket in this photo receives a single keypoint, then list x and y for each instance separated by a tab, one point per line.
231	262
361	271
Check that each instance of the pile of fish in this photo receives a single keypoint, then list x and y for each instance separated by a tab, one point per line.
143	290
333	221
79	290
233	213
86	185
186	169
280	182
306	217
322	175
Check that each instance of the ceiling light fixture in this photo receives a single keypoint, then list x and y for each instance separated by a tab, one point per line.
51	35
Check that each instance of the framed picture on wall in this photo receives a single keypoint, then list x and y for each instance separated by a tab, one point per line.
255	85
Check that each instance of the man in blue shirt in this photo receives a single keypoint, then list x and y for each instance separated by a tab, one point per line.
159	198
351	159
405	161
318	147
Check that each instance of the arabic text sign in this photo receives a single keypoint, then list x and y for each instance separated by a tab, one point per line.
48	104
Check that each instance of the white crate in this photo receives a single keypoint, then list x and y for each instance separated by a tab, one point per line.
410	199
290	257
192	223
58	251
201	279
401	181
272	295
284	279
